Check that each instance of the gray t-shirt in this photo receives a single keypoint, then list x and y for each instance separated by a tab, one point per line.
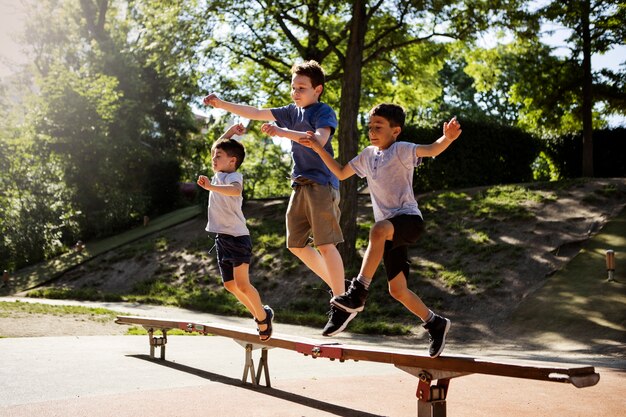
225	215
389	175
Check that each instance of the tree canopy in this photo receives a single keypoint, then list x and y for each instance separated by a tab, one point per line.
100	128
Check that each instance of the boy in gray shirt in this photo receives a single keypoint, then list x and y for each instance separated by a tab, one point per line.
232	240
388	166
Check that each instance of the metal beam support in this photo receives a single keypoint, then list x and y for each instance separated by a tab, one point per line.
156	341
263	369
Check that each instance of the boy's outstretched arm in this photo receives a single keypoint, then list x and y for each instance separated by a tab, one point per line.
451	131
236	129
321	134
341	172
243	110
232	190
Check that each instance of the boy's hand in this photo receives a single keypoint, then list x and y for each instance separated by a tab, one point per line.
212	100
236	129
310	142
203	181
452	129
270	129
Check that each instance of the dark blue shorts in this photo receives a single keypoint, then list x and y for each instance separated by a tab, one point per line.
407	229
232	251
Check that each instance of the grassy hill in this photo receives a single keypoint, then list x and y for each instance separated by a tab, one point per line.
486	252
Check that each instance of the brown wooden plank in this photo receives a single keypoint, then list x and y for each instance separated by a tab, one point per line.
579	375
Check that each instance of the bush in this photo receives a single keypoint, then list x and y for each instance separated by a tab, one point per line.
162	186
485	154
609	153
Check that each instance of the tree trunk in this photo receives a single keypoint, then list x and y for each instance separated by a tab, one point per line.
348	134
587	106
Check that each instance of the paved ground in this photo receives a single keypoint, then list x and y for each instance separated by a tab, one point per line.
114	376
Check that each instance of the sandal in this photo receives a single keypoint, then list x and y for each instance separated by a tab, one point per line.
266	334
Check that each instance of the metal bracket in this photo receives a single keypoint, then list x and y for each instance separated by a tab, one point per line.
431	397
321	351
195	327
156	341
263	369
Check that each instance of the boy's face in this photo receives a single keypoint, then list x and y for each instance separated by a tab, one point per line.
221	162
381	134
302	91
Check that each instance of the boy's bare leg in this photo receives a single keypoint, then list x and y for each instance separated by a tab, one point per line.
326	263
245	292
379	234
334	266
399	290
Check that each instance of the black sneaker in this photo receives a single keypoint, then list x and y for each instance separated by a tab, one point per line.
437	328
337	321
353	300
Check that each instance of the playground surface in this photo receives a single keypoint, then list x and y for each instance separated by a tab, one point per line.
48	368
114	376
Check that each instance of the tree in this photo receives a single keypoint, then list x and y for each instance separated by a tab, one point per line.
112	101
258	41
595	27
106	97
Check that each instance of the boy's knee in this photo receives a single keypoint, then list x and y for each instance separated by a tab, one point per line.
296	251
381	231
398	291
395	293
231	286
326	249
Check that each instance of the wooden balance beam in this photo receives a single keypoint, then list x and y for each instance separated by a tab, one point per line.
434	374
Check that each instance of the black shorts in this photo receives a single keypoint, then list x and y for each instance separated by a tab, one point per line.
407	229
232	251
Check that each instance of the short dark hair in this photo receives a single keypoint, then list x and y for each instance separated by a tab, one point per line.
394	114
232	148
311	69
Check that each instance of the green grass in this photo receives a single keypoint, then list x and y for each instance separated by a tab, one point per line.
87	294
452	217
96	314
578	301
460	228
140	331
506	201
46	271
157	292
462	232
7	309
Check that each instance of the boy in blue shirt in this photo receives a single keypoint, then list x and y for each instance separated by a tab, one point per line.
226	220
314	203
388	166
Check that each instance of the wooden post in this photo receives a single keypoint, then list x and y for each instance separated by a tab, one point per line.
249	366
263	366
610	264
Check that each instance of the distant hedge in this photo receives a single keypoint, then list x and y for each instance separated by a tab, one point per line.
162	186
609	153
485	154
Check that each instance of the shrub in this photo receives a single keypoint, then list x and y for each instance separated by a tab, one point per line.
485	154
609	153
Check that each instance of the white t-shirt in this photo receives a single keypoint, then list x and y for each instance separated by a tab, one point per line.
225	215
389	175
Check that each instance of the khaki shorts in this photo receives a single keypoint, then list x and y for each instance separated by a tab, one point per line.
313	209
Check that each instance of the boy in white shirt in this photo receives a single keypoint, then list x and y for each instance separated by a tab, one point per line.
388	166
232	240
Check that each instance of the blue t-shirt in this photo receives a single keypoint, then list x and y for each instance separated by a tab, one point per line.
307	163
